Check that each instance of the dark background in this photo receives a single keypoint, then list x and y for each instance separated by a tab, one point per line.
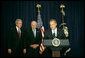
27	11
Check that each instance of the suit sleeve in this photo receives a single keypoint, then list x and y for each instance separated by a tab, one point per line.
40	38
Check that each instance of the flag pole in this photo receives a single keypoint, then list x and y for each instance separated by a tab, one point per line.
38	6
64	27
42	48
62	6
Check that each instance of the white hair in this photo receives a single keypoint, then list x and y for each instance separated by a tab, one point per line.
33	21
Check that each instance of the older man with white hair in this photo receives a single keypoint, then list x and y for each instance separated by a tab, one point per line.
33	39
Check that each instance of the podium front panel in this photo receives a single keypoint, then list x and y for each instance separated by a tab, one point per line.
63	42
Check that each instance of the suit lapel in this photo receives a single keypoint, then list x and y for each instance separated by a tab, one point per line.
21	33
32	33
16	33
36	33
50	34
58	33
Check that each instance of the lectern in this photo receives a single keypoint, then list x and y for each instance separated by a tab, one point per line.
56	45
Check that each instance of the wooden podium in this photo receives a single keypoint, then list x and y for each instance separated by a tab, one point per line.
57	47
56	53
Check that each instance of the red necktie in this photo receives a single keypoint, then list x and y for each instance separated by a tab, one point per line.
19	33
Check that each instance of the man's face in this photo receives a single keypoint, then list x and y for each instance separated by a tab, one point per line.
33	25
53	25
19	24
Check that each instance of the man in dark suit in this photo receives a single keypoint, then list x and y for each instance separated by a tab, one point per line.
15	40
33	40
54	32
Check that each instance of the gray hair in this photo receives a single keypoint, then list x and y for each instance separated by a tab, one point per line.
33	21
17	21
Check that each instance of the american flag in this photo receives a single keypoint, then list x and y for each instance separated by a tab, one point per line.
41	27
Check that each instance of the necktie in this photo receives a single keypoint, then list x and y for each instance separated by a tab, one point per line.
53	35
19	33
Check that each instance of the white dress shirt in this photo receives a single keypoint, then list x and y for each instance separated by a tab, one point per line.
34	32
54	31
17	30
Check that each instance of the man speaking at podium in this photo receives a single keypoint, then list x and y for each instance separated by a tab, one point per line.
54	32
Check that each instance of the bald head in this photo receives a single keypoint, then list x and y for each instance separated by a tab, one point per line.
33	24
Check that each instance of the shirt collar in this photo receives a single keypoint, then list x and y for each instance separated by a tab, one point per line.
54	30
17	28
33	29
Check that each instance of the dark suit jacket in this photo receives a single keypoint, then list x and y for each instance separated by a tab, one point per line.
14	42
31	40
60	34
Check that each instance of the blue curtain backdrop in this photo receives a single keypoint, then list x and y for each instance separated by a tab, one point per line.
27	11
